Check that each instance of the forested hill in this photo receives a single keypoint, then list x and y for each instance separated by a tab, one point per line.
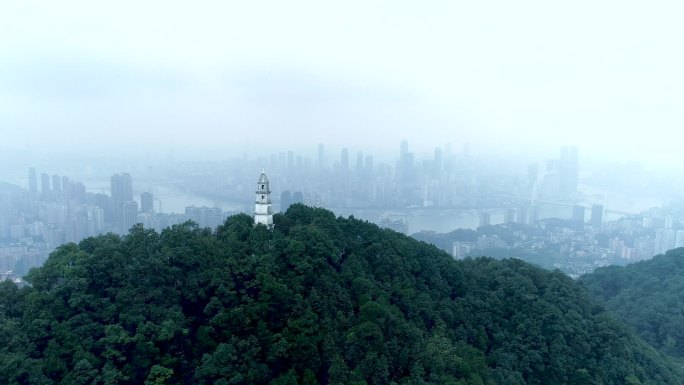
649	296
317	300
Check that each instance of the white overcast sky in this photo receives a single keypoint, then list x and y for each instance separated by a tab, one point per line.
605	75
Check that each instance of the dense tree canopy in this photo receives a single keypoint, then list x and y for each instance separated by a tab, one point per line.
649	296
316	300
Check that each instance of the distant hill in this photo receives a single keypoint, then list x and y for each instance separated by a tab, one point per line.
647	295
316	300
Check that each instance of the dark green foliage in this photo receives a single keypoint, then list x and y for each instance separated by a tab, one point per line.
649	296
316	300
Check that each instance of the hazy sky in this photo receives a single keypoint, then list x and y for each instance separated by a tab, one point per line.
604	75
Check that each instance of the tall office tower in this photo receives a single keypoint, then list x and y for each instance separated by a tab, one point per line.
77	191
597	215
578	212
285	200
344	158
282	161
297	197
321	155
369	165
568	170
485	219
122	191
359	163
521	215
122	187
44	183
56	183
290	161
66	184
129	216
405	166
33	180
437	163
146	202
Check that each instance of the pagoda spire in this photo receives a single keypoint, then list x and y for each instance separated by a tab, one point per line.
262	209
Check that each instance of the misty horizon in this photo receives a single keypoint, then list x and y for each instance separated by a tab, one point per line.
205	80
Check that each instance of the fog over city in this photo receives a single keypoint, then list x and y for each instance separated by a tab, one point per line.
216	77
354	192
425	118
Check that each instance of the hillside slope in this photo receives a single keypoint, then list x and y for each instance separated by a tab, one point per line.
649	296
317	300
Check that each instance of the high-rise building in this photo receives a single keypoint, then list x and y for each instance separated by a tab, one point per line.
568	170
33	180
66	184
130	215
262	208
344	158
647	221
665	240
521	215
321	155
44	183
532	176
300	163
290	161
369	165
95	217
578	212
285	200
359	163
122	191
485	219
534	215
56	183
282	161
146	202
405	167
297	197
437	163
597	215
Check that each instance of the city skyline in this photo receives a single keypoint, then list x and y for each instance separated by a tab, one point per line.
545	177
33	222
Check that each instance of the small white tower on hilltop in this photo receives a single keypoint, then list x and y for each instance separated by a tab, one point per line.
262	208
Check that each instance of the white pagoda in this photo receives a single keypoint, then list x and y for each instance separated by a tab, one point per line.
262	209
